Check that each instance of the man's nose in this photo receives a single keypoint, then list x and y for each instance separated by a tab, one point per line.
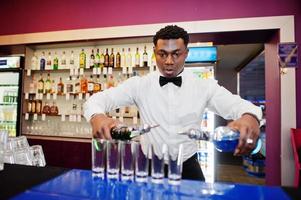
169	60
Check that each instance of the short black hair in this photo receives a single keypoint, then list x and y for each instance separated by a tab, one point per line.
171	32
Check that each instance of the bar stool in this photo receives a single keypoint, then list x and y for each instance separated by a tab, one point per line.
296	144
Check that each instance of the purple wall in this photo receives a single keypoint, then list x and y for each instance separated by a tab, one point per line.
35	16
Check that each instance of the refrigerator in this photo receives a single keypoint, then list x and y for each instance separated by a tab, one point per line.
10	94
201	62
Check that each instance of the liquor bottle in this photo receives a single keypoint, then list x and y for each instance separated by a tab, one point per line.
46	109
82	59
55	62
118	60
145	57
41	85
53	87
92	59
90	85
49	60
63	60
102	60
33	106
122	59
224	138
77	88
112	59
137	58
69	85
106	63
54	109
83	84
97	59
38	106
71	61
47	85
124	132
34	61
60	87
32	86
29	103
129	58
42	61
110	81
97	85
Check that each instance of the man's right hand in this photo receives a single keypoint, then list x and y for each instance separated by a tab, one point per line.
102	125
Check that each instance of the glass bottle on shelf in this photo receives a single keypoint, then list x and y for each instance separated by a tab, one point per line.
29	104
60	87
137	58
69	85
48	84
129	58
41	85
153	61
54	109
112	59
145	57
46	109
42	61
34	61
71	61
83	84
97	59
118	60
82	59
92	59
97	84
55	62
77	87
122	58
33	105
110	81
106	63
102	60
49	60
32	85
63	60
90	85
38	106
53	87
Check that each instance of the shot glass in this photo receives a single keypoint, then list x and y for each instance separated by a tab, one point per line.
99	148
175	166
37	156
113	159
158	164
141	162
127	153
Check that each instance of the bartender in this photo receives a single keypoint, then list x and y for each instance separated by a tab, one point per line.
174	98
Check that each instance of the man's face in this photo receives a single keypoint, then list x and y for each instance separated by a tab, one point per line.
170	56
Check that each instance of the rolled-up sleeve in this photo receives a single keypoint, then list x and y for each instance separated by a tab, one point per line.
228	105
122	95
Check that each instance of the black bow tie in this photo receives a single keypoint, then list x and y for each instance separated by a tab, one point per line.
175	80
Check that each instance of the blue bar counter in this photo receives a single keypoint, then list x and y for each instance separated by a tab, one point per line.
79	184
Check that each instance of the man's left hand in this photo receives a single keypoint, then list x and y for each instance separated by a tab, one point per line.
248	127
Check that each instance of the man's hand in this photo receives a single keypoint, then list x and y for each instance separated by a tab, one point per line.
248	127
102	125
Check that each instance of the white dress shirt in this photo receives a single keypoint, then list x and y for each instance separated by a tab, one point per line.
174	108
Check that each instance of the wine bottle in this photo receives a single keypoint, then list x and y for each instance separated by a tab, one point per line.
41	84
137	58
112	59
63	60
48	84
106	62
145	57
118	60
97	59
60	87
92	59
